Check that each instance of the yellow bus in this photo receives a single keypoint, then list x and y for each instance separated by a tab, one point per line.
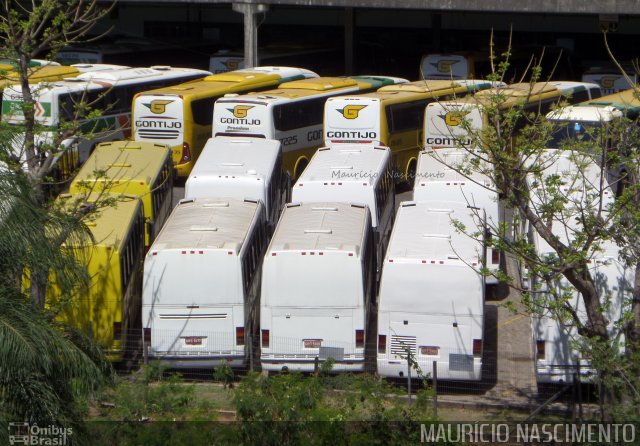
442	121
180	116
109	309
141	169
292	114
393	116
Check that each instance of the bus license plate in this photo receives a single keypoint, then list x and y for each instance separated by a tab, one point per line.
193	340
312	343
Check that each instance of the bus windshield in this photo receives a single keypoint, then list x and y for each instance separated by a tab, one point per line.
571	132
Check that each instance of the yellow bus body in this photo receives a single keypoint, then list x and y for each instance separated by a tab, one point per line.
140	169
109	309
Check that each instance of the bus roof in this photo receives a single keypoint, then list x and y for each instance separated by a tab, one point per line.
361	163
121	162
335	227
424	232
423	88
92	80
434	85
298	89
445	166
41	73
237	156
208	224
626	101
240	80
111	224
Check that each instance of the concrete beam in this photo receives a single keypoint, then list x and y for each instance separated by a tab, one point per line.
591	7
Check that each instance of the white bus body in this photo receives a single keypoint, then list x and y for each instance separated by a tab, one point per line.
201	283
110	90
353	173
556	349
582	178
439	177
240	168
318	279
431	300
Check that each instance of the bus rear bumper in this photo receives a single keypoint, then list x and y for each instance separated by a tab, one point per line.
308	366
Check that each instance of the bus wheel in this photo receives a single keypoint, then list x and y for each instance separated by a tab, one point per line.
410	175
302	164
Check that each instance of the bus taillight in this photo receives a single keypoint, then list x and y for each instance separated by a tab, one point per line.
117	331
540	349
265	338
359	338
239	335
477	348
186	153
382	343
495	256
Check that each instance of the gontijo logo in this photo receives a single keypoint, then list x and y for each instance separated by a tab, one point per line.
453	118
240	111
158	106
233	64
445	65
351	111
607	81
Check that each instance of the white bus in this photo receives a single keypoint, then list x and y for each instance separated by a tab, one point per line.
237	167
110	91
431	299
318	282
292	113
593	123
582	181
353	173
439	177
201	283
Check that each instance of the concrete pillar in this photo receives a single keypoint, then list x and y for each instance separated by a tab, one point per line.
250	10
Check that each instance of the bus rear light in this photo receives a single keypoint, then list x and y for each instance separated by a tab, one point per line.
359	338
477	348
117	331
540	349
495	256
265	338
186	153
382	343
239	335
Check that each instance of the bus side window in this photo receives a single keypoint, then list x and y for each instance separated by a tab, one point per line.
202	110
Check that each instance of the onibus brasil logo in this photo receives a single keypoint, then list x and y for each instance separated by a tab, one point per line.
32	434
